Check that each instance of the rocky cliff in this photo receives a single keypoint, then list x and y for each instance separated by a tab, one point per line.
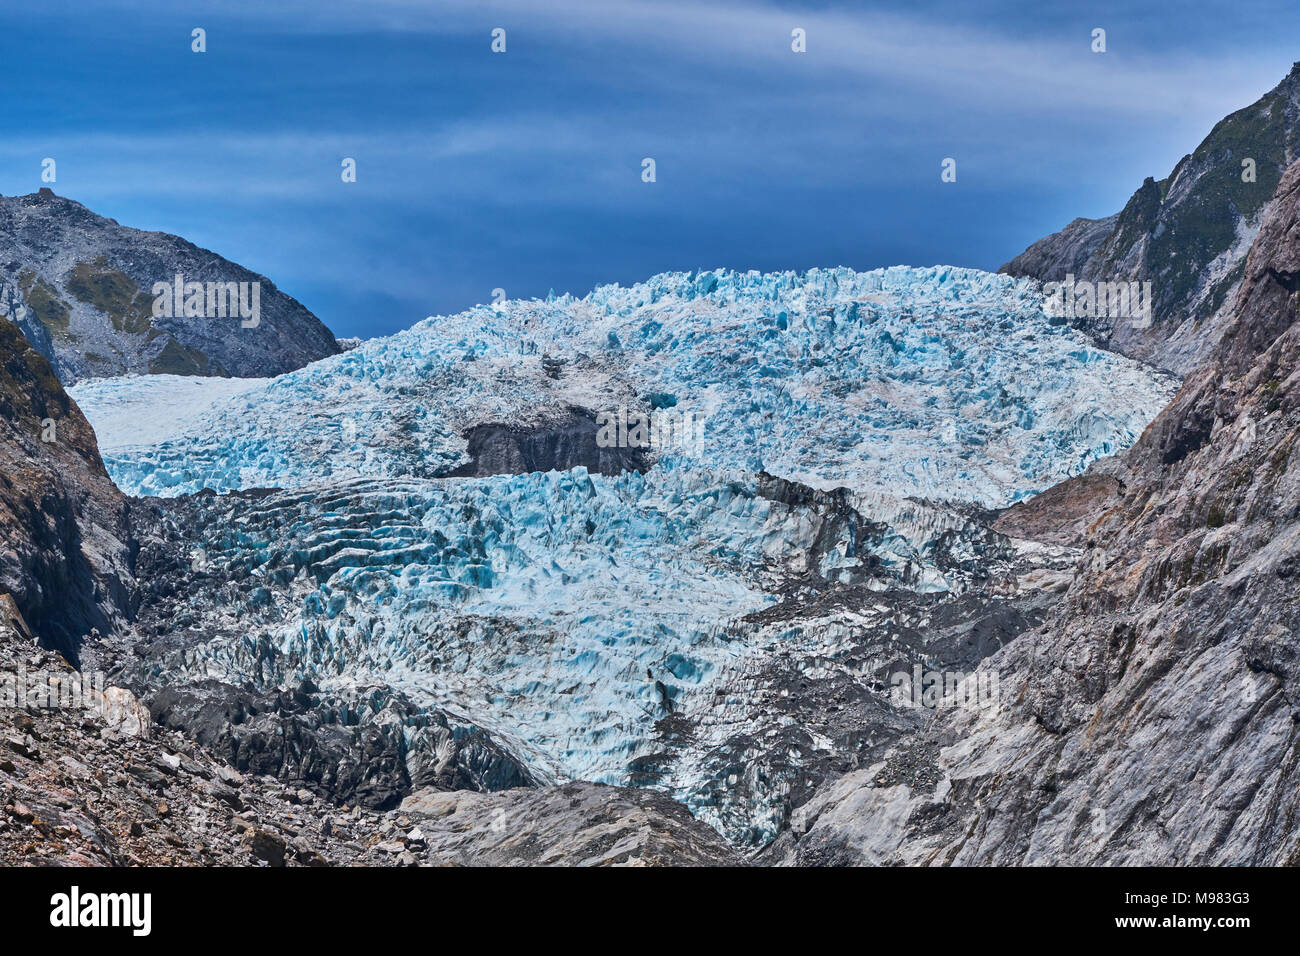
81	287
1187	234
64	551
1154	718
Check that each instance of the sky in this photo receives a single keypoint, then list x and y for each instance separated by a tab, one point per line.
523	170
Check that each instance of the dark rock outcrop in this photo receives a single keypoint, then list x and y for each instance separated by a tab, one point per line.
837	521
87	285
65	551
370	749
570	442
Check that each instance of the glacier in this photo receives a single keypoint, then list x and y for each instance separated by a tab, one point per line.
942	383
654	627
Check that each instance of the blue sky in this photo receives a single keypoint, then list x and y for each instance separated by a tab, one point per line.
522	170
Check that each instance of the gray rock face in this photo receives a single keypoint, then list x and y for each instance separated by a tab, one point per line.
65	551
1187	234
1064	252
576	824
1153	719
14	308
87	301
1063	514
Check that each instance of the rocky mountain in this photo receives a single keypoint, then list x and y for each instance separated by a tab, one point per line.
82	288
65	552
1153	718
1187	234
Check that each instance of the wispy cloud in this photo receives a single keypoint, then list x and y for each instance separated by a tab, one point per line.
965	63
523	171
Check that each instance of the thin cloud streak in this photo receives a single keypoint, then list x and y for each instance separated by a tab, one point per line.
961	63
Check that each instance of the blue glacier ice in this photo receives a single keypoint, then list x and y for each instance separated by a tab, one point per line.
557	609
941	383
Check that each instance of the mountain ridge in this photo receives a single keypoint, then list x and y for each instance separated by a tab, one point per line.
81	287
1188	234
